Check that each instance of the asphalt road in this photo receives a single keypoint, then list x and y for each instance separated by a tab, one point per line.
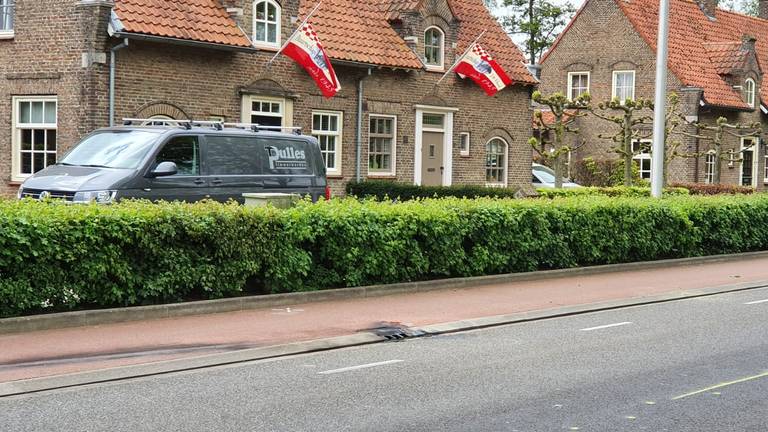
691	365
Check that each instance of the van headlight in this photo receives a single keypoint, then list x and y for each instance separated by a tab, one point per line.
100	197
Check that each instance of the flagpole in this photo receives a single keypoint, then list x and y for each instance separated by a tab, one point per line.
458	60
287	41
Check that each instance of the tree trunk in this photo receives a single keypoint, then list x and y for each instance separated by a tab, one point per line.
558	168
718	164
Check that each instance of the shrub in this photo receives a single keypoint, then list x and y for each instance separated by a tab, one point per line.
57	257
602	172
714	189
383	190
616	191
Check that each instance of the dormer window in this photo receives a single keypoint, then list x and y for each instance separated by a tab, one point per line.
266	23
6	18
434	48
749	92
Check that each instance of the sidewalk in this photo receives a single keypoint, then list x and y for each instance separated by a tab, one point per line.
57	352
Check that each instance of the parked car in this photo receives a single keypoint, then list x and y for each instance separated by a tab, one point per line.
182	161
544	177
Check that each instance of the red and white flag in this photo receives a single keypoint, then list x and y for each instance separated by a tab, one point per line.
478	65
305	48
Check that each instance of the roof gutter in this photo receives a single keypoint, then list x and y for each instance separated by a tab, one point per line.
112	55
359	132
183	42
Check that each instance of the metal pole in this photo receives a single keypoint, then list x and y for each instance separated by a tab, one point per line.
660	112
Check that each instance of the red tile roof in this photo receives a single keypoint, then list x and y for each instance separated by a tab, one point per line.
726	56
358	31
193	20
474	17
700	49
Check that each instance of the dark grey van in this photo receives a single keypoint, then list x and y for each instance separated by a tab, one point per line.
184	162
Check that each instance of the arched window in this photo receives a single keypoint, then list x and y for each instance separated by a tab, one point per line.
266	23
496	162
434	44
160	120
749	92
709	164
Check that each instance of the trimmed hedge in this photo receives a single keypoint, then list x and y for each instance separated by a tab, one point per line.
615	191
57	257
390	190
715	189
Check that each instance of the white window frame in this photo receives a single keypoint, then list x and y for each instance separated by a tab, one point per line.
339	134
506	162
392	169
570	83
750	92
7	11
285	109
17	126
614	92
266	22
464	152
710	159
645	156
765	160
440	65
755	161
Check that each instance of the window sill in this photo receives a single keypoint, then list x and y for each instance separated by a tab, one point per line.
265	47
464	155
386	176
6	35
335	176
435	68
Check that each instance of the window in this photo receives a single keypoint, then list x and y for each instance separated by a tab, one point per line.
184	152
624	85
6	18
266	112
578	84
748	162
765	173
434	39
642	155
34	134
749	92
709	167
381	145
496	162
228	155
266	23
160	120
464	144
326	127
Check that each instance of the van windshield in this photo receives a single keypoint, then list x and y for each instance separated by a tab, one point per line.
112	149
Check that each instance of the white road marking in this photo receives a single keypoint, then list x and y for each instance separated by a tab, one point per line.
365	366
721	385
606	326
757	302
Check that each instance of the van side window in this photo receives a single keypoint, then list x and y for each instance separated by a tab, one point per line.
184	152
233	155
287	157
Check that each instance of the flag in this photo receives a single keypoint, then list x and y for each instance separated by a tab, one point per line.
478	65
305	49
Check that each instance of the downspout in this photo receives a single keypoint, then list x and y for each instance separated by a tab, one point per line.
112	55
359	138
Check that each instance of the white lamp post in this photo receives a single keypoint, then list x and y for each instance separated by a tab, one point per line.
657	163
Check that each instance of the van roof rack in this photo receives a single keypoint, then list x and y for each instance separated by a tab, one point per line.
218	125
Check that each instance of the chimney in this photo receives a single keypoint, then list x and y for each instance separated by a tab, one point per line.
762	9
708	7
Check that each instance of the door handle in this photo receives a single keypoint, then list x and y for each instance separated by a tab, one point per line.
217	181
199	181
442	169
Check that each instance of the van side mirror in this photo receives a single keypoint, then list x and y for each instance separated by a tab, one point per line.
164	169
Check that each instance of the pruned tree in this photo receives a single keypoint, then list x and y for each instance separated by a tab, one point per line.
628	116
552	145
716	133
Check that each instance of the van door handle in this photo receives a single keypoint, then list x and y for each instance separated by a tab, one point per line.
217	181
199	181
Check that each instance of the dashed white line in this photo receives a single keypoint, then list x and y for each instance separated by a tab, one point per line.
756	302
353	368
606	326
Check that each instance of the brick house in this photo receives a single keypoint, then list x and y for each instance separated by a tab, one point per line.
206	59
715	66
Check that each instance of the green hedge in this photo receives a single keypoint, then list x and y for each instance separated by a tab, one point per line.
614	191
389	190
715	189
58	257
